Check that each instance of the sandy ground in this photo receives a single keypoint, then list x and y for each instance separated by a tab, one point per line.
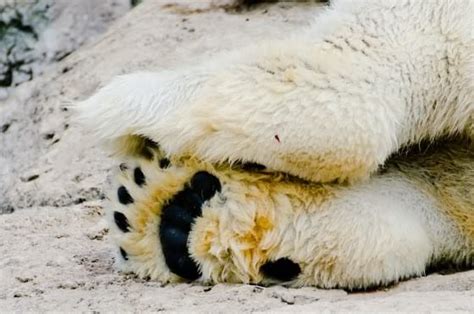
59	259
54	249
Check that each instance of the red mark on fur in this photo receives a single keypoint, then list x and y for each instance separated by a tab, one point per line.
277	138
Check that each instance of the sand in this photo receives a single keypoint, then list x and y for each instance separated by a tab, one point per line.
54	247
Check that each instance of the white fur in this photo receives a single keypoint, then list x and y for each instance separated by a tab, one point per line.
367	78
378	233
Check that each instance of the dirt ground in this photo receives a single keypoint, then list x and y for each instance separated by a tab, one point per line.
54	248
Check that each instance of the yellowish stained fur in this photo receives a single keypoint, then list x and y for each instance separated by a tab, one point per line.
246	224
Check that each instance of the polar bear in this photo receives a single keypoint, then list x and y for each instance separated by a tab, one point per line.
338	157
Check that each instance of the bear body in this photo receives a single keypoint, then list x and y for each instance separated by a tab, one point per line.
322	111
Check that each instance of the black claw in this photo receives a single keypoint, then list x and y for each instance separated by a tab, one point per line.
282	269
138	176
150	143
123	167
147	149
205	185
124	254
147	153
123	196
164	163
253	166
121	221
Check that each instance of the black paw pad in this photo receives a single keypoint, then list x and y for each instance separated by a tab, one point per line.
176	216
176	221
183	266
138	176
189	200
174	231
124	254
205	185
121	221
173	239
282	269
123	196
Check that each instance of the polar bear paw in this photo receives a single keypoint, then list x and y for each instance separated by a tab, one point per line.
156	205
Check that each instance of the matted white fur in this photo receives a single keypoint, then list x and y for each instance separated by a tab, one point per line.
330	103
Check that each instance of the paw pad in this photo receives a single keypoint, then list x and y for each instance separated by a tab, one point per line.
177	218
282	269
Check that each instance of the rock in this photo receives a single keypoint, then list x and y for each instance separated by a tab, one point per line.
37	32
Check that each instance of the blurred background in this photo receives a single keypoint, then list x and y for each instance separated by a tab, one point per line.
36	33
